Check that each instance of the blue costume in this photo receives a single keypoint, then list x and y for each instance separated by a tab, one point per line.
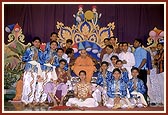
136	89
102	81
117	86
140	87
124	76
46	57
28	56
149	61
101	91
31	74
47	48
56	63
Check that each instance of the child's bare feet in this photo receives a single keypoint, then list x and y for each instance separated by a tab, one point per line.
61	104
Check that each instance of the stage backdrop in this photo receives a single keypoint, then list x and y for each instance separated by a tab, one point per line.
131	20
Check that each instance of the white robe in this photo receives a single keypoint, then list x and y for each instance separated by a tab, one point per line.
106	58
129	57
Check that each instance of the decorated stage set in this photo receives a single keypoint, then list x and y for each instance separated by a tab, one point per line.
86	33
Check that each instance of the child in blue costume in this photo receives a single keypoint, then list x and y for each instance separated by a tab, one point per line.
104	76
136	89
48	74
53	37
117	92
33	59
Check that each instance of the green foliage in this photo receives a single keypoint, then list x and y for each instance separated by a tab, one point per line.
17	48
12	74
9	79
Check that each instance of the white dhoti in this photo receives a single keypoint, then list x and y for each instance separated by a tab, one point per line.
100	94
89	102
39	88
124	102
40	95
29	84
139	102
47	77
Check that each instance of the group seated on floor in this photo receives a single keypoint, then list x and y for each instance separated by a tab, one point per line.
51	77
106	89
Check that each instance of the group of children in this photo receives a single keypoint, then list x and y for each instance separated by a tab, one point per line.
47	76
45	72
115	90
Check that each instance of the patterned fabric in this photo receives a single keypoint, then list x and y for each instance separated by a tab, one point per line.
62	75
124	76
149	61
153	87
153	81
161	84
136	84
49	57
102	80
29	55
47	48
160	62
82	90
56	63
117	86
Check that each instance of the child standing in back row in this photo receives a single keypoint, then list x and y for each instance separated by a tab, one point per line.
33	59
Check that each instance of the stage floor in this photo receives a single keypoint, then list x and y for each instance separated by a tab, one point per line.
18	106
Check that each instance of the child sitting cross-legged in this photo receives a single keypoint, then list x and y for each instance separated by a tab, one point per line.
136	89
82	92
117	92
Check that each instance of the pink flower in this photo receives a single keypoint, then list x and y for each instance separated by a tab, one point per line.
13	45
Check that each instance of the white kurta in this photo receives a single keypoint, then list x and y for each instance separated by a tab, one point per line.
65	56
106	58
129	57
139	102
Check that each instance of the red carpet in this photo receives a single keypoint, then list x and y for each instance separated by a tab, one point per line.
18	106
102	108
64	108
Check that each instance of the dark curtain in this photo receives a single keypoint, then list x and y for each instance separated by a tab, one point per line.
131	20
